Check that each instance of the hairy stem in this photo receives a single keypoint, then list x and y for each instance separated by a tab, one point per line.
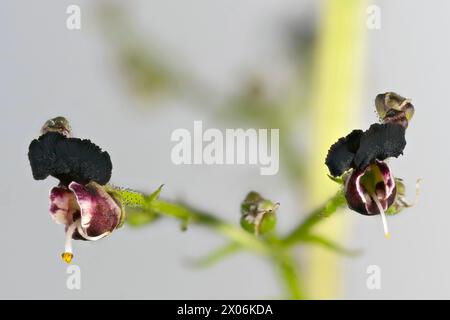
275	248
193	216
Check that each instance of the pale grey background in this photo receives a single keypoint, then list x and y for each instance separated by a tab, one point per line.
46	70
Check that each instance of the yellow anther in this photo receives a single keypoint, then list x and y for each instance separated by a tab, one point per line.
67	257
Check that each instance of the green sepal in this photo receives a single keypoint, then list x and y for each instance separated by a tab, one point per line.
339	180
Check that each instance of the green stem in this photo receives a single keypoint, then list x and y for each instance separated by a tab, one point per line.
314	218
241	239
228	230
270	246
288	271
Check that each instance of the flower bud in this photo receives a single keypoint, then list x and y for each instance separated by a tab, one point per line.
393	108
258	215
58	124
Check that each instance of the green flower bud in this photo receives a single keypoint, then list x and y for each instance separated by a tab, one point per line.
258	215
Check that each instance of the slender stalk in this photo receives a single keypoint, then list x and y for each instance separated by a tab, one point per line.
228	230
271	246
288	269
288	272
318	215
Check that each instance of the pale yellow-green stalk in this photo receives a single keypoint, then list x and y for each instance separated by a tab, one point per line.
334	110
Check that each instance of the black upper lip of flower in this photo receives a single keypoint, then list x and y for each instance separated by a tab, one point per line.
69	159
360	148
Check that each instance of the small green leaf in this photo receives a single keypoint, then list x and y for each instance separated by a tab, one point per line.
185	224
339	180
218	255
154	195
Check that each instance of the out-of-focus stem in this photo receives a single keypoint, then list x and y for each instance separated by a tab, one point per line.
289	276
334	106
230	231
271	247
288	269
320	214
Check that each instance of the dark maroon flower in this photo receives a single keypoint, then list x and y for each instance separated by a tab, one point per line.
88	212
81	202
375	181
370	188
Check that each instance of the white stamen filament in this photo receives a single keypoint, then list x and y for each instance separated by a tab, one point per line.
69	234
85	236
67	255
383	216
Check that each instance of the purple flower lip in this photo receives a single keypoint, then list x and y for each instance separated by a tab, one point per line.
360	194
88	212
371	191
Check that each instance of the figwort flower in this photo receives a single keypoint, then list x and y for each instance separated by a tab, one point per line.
258	215
82	201
370	188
